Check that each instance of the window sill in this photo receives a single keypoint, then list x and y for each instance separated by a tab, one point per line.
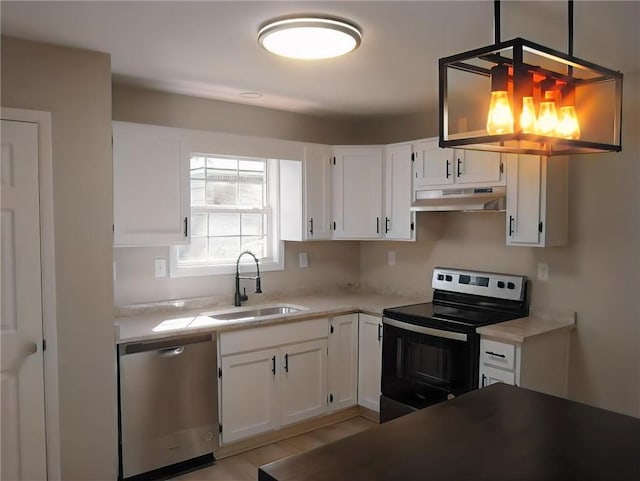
246	268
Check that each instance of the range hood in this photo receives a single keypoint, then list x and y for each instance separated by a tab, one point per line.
465	199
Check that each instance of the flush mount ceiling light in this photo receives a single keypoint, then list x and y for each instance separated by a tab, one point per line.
309	38
521	97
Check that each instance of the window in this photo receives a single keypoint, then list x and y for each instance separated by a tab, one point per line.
232	210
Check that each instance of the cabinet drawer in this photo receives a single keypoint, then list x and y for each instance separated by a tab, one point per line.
246	340
491	375
500	354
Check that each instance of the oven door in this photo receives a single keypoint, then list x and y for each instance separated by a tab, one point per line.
424	365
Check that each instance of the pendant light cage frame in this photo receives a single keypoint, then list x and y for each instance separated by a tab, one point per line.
465	85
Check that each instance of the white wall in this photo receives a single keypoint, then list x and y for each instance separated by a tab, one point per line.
75	86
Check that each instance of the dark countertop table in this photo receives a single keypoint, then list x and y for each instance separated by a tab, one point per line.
497	433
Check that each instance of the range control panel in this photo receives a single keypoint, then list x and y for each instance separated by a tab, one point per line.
490	284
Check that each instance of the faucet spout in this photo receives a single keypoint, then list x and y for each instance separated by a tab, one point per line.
238	298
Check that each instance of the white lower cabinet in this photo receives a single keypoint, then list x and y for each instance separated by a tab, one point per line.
369	361
343	361
303	381
250	403
271	377
539	363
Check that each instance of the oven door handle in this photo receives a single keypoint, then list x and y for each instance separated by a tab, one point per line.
429	331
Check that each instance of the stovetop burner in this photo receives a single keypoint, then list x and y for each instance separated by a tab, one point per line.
432	311
465	300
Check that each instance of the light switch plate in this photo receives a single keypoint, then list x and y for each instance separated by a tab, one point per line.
303	260
391	258
160	267
543	271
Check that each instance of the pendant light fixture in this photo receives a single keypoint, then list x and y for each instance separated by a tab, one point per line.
521	97
309	37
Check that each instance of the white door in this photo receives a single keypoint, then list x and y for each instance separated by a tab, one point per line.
303	385
398	193
22	413
343	361
317	179
432	165
249	387
491	375
357	192
477	167
370	361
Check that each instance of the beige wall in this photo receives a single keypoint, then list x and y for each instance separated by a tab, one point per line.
597	274
331	264
75	86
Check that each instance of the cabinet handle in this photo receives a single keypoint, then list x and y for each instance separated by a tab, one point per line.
448	173
496	354
186	227
484	378
386	225
273	365
459	167
379	332
510	225
286	362
377	225
311	226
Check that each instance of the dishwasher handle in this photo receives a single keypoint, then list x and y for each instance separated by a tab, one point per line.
172	351
166	347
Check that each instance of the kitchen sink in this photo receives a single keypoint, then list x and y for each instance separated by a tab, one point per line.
252	313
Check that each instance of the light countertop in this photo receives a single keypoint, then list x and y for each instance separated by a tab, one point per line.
158	324
181	318
540	321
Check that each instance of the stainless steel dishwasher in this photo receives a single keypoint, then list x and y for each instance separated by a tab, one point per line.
168	406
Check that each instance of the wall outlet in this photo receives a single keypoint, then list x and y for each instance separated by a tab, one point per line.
160	267
303	259
391	258
543	271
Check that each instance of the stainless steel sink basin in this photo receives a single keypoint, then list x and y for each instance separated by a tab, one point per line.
252	314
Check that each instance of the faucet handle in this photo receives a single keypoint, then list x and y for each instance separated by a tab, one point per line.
258	287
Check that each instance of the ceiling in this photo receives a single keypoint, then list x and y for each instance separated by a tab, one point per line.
209	49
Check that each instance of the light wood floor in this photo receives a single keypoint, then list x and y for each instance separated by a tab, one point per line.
244	467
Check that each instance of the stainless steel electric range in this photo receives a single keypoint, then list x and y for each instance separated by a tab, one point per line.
430	351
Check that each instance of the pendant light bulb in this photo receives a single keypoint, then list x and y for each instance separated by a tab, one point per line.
500	118
528	116
568	126
547	122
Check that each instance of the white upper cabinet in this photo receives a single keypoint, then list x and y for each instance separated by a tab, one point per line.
436	168
537	200
357	192
305	195
398	219
150	186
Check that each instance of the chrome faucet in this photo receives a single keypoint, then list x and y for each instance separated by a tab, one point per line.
243	297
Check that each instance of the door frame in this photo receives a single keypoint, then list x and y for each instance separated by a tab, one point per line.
47	259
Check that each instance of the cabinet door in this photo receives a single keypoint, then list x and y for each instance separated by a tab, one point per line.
303	385
357	192
151	196
370	361
491	375
398	218
432	165
478	168
317	177
343	362
523	199
249	389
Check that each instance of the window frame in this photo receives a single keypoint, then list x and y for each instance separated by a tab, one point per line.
273	263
